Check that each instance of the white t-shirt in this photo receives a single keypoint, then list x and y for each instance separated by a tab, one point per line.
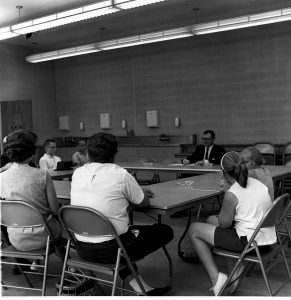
48	162
107	188
253	203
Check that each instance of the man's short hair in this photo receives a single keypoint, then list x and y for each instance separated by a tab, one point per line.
211	132
81	140
48	141
102	147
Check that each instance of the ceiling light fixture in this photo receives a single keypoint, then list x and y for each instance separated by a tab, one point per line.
196	29
146	38
243	21
82	13
62	53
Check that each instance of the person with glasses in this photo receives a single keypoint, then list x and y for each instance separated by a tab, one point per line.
206	154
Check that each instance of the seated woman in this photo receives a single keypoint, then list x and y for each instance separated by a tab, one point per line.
254	161
244	205
31	185
110	189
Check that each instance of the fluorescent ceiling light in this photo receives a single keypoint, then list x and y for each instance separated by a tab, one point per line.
62	53
145	38
243	22
196	29
6	33
82	13
132	4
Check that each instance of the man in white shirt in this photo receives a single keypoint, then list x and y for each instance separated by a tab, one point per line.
80	158
110	189
49	160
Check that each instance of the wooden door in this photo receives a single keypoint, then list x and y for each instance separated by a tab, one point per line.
15	115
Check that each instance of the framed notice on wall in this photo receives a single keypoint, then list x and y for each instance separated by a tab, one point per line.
64	123
105	121
152	118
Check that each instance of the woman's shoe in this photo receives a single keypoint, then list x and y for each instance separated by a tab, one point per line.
159	291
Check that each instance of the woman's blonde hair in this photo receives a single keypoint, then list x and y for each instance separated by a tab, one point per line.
233	164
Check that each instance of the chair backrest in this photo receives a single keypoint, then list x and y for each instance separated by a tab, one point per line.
268	151
277	212
85	221
17	213
274	216
265	148
147	160
287	153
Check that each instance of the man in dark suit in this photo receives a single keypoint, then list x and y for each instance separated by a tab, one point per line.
206	154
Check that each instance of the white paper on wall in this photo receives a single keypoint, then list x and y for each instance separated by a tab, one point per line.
152	118
105	121
64	123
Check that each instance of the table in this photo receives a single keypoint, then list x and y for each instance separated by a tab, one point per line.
160	167
169	197
60	175
176	195
151	167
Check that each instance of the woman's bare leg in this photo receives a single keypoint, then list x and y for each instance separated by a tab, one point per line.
202	235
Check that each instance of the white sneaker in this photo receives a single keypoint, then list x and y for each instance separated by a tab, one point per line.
219	283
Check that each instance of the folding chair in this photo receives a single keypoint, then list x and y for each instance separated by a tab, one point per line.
287	153
286	183
252	253
21	214
268	152
89	222
146	181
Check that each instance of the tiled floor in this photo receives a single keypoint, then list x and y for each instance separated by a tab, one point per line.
188	279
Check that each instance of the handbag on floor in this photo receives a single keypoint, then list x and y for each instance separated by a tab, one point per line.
80	286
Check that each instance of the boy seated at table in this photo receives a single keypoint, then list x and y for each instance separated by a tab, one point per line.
110	189
49	160
80	157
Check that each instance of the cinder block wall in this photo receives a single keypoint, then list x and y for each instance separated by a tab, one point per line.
20	80
237	83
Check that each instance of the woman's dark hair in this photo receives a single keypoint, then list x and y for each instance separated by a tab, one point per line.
232	163
102	147
20	145
4	160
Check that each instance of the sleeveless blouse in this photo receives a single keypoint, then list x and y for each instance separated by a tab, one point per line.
253	203
22	182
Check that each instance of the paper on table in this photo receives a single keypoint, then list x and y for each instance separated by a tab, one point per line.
176	165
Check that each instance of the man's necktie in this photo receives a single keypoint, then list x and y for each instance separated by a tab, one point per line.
207	153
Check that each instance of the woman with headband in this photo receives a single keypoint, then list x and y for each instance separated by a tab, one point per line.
244	205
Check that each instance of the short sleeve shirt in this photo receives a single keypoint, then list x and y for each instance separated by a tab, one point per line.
107	188
48	162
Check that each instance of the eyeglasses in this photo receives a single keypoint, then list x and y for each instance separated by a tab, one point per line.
206	139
